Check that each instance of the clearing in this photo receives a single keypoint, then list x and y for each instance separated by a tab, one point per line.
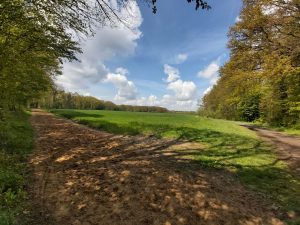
85	176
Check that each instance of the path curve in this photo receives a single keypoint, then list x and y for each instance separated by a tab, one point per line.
287	146
87	177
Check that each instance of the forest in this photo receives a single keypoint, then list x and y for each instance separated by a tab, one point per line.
261	81
68	158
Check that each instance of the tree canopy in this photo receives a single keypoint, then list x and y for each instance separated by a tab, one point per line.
262	78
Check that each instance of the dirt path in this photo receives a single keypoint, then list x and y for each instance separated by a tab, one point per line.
89	177
287	146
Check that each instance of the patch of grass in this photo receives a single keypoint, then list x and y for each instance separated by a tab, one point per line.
16	141
287	130
292	131
226	145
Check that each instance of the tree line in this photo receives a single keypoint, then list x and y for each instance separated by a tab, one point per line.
60	99
261	80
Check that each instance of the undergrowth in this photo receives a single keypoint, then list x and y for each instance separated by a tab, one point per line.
16	141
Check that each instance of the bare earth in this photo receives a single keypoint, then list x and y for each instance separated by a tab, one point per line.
89	177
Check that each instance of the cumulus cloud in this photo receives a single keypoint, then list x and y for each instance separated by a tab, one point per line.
172	72
184	90
183	94
151	100
172	103
79	75
238	19
210	71
107	43
126	89
181	58
167	101
207	90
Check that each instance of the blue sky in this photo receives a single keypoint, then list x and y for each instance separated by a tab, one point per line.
168	59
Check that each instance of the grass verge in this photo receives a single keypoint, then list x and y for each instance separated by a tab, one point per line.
295	131
226	145
16	141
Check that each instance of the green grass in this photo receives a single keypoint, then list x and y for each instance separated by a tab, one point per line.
287	130
226	145
15	144
291	131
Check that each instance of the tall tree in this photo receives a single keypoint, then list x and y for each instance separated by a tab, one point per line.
262	77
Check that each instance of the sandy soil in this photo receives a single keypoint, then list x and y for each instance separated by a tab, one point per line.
287	147
87	177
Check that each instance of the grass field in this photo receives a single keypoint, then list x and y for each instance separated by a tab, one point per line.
226	145
16	141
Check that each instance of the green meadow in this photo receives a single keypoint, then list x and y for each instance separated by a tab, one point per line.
226	145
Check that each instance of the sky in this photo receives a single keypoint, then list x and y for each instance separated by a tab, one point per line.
169	59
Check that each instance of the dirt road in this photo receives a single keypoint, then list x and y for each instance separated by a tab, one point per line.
287	147
89	177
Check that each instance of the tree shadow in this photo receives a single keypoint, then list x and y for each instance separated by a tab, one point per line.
252	160
103	178
72	114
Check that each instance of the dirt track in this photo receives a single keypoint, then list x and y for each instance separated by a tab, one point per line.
287	146
88	177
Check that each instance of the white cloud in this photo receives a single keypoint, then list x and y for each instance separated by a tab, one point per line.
214	80
172	72
210	71
122	71
107	43
184	90
207	90
168	101
79	75
126	89
184	97
181	58
238	19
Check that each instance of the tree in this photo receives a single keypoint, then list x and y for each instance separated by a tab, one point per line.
264	62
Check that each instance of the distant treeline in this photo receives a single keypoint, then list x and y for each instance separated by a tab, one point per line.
59	99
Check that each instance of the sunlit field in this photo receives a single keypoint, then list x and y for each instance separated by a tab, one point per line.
158	124
224	145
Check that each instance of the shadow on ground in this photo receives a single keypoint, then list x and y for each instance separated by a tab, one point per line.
86	177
